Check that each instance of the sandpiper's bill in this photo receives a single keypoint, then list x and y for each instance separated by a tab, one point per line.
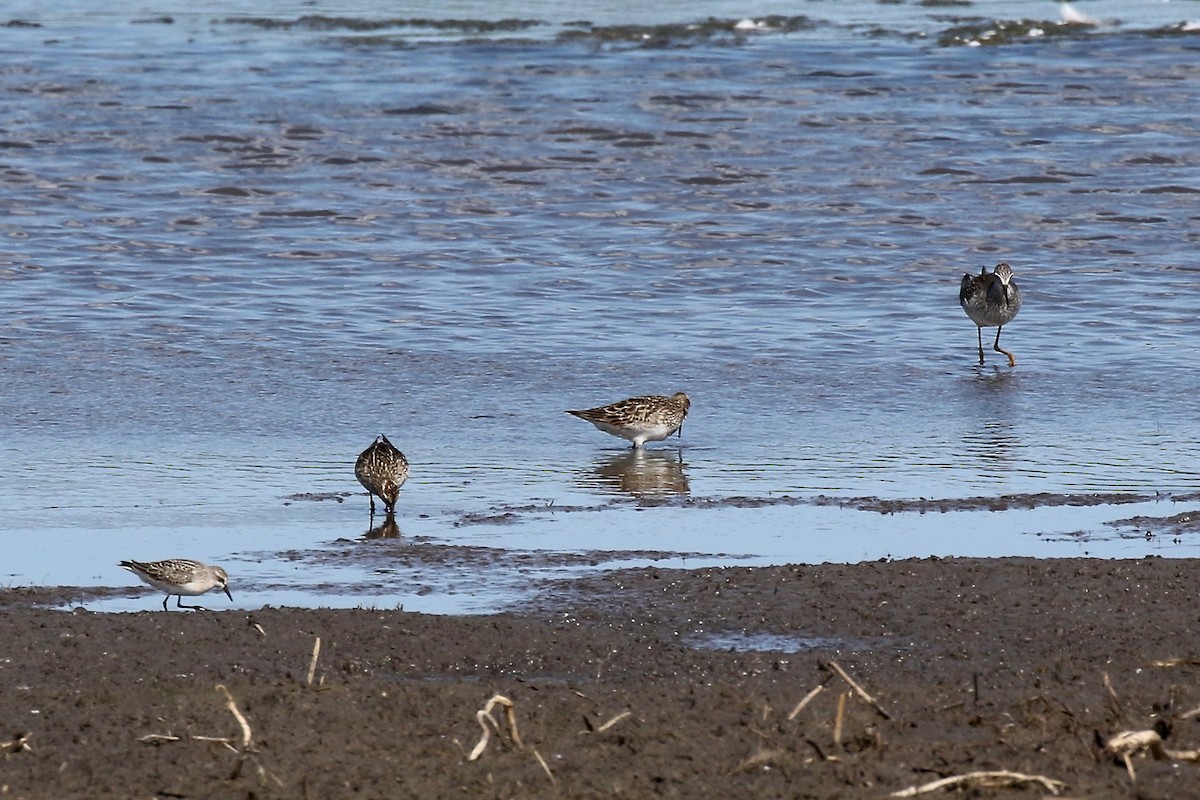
382	470
991	299
179	577
640	419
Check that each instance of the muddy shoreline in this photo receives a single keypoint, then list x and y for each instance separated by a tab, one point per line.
640	683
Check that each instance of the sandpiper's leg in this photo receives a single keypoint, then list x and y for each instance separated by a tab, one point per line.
179	602
979	331
1012	362
165	599
371	497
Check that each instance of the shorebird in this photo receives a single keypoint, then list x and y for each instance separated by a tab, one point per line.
640	419
382	470
179	577
991	299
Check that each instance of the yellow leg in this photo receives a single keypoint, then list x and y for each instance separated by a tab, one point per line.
1012	362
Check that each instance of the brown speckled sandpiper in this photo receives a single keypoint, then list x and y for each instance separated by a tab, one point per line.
382	470
640	419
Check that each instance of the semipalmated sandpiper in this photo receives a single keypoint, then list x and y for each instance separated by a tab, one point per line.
179	577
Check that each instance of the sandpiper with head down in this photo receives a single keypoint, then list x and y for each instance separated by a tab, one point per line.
179	577
640	419
382	470
991	299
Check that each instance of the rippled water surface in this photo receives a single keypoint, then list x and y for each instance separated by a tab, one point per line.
239	243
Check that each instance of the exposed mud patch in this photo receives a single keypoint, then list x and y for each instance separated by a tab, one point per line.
509	514
429	552
512	514
1011	664
923	505
316	497
1184	523
1006	502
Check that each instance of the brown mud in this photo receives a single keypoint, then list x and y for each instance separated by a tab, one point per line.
642	683
511	514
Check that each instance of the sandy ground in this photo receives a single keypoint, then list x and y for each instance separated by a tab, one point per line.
631	684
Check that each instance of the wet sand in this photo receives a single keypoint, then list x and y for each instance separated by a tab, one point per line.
634	684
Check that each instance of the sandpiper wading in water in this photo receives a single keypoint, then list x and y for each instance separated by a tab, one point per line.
991	299
640	419
382	470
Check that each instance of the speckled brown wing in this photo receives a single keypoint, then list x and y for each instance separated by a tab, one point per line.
382	469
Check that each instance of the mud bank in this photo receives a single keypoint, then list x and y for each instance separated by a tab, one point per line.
643	683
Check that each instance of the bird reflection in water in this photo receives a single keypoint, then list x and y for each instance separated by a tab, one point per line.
388	529
641	473
992	441
993	445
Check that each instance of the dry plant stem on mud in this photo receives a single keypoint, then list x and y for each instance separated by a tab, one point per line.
242	748
312	667
155	738
808	698
18	744
545	766
485	718
1112	694
837	722
610	723
992	780
861	692
1127	744
247	736
1175	662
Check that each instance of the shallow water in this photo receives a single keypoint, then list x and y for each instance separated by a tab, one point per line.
237	250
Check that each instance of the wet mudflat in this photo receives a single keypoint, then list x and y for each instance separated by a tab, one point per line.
642	683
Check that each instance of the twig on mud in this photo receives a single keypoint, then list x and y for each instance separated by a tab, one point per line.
821	753
808	698
484	716
159	738
1182	755
992	779
610	723
1127	744
1175	662
1195	712
247	736
243	749
18	744
545	767
833	665
837	721
233	709
312	666
225	740
1112	694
